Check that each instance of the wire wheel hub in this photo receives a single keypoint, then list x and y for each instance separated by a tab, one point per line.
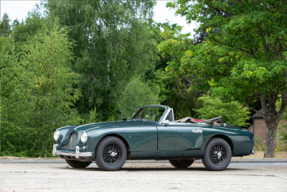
217	154
112	154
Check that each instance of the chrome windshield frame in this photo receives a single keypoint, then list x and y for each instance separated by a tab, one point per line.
164	114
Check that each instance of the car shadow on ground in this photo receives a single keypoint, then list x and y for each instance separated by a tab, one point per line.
154	169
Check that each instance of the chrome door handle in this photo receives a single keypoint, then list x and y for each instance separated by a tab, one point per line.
196	130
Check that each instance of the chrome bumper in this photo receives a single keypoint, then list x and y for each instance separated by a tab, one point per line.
77	154
253	151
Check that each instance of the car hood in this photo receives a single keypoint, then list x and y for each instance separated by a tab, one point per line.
67	130
111	124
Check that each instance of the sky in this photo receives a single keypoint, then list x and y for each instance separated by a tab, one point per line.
19	9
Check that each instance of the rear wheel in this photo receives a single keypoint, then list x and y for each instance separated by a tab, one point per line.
181	163
78	164
217	155
111	154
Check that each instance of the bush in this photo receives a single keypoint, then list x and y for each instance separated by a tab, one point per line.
258	145
281	136
233	112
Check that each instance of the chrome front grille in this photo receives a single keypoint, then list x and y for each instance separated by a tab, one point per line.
72	142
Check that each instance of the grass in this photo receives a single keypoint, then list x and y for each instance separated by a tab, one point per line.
258	145
260	155
281	145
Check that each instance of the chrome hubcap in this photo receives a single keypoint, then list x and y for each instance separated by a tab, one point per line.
219	154
113	154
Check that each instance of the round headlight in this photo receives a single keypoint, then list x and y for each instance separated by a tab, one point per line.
57	135
84	137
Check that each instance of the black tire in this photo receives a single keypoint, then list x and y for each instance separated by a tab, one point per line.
111	154
181	163
78	164
217	155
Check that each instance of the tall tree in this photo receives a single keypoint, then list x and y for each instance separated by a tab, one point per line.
5	27
178	96
29	27
140	93
112	43
36	90
243	54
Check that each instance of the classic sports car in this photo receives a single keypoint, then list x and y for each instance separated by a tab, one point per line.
152	133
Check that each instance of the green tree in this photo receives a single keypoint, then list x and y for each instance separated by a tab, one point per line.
178	95
113	43
135	95
5	27
156	74
243	55
233	112
37	93
29	27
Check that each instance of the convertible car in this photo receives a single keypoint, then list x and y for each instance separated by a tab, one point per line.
152	133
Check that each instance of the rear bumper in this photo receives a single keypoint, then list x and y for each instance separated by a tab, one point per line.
77	153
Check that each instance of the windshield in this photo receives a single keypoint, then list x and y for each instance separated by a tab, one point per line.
149	113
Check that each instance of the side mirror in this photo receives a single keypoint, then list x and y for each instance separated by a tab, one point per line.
165	122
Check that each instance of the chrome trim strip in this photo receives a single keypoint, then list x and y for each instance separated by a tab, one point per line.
81	126
172	114
92	128
86	154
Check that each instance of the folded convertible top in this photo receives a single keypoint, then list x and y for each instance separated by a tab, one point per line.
216	120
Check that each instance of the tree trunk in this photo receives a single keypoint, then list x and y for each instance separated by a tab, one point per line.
272	123
270	142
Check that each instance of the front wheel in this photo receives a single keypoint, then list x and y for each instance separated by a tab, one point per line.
111	154
181	163
78	164
217	155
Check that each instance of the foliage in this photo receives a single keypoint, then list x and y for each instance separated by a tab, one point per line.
183	102
113	43
233	112
258	145
242	56
37	93
175	85
92	117
281	143
156	74
135	95
5	28
24	30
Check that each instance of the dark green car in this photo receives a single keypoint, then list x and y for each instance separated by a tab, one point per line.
152	133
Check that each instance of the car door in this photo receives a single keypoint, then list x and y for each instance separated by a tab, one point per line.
177	140
142	139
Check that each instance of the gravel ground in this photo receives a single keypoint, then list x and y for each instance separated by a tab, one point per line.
159	176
